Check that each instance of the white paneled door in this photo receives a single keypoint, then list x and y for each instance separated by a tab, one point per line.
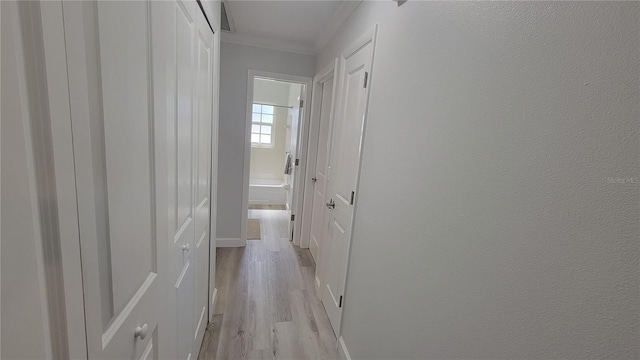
181	130
344	167
115	154
319	209
141	89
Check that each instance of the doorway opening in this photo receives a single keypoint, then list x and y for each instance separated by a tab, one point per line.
275	142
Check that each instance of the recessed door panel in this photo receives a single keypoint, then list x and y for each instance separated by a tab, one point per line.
126	75
183	122
110	82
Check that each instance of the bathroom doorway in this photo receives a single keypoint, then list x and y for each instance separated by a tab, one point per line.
276	139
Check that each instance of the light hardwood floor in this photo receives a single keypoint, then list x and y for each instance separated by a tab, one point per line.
267	306
266	207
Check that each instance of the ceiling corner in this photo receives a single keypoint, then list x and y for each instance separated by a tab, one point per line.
336	21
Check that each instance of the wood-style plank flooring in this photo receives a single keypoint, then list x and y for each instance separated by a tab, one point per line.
267	306
266	207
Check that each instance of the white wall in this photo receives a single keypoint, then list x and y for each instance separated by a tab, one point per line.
494	130
236	60
267	164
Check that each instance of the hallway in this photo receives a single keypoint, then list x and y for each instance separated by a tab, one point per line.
267	306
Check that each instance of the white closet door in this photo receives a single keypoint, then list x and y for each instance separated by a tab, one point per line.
319	210
344	165
115	152
202	148
181	131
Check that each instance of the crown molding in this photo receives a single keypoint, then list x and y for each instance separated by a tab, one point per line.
338	18
267	43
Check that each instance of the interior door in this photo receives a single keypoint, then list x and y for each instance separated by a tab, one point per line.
320	173
204	104
110	82
343	176
182	193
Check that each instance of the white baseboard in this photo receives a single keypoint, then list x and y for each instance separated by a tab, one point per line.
342	349
230	242
214	298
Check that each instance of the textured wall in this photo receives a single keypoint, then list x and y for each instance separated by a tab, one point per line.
502	139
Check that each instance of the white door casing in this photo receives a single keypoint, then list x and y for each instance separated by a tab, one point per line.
111	95
344	167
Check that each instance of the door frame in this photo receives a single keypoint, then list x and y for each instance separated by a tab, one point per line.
213	176
328	72
303	136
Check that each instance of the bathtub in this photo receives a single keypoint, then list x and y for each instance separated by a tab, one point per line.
267	192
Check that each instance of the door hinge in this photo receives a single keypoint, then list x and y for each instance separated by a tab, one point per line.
353	196
366	78
297	162
293	217
301	103
340	305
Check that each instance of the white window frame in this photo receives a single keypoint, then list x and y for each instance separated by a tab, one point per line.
261	123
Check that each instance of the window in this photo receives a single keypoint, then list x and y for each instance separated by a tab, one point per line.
262	126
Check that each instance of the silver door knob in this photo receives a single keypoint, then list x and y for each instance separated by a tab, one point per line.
185	247
141	331
331	204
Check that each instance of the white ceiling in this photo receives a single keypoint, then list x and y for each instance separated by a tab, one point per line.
302	25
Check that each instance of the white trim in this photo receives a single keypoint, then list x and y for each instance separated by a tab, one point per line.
267	43
327	73
214	298
212	304
230	242
336	21
302	144
342	349
213	192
